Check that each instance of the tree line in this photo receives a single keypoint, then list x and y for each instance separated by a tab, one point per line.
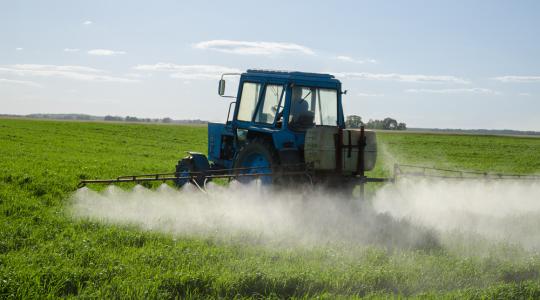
354	121
149	120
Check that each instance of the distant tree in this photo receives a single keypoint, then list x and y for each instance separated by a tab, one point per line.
166	120
113	118
402	126
375	124
385	124
132	119
390	124
353	121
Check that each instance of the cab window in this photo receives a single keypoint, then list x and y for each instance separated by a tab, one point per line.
312	106
266	112
248	100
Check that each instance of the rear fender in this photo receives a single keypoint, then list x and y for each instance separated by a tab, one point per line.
284	140
200	162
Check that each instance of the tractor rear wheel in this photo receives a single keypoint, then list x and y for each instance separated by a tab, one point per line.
256	157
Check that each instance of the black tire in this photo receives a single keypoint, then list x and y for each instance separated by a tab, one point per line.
187	165
259	147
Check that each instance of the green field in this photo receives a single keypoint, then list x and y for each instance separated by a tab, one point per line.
44	252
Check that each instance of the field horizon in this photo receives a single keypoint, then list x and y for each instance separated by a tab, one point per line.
470	131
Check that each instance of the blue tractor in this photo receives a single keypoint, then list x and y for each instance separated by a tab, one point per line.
283	125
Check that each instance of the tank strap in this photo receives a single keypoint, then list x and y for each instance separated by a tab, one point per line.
349	146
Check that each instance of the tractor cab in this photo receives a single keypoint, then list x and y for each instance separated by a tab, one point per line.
275	108
294	100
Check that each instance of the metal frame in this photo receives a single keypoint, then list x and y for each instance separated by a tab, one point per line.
440	173
229	74
308	173
193	176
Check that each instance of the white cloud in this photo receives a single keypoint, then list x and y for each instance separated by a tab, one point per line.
138	75
105	52
455	91
515	78
88	22
417	78
369	95
525	94
189	72
20	82
19	49
71	50
253	48
357	61
69	72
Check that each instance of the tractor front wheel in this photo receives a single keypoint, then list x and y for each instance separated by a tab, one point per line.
192	168
256	157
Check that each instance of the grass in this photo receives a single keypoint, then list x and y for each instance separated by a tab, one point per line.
46	253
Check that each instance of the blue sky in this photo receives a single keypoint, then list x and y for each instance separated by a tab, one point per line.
446	64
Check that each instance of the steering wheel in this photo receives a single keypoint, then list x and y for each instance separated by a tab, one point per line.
275	109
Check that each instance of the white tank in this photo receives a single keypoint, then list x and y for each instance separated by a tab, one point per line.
320	149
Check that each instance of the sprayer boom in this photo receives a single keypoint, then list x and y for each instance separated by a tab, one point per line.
423	171
199	179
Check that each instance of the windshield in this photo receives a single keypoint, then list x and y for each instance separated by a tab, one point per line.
313	106
268	107
248	100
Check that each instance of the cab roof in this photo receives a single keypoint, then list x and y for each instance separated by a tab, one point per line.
294	75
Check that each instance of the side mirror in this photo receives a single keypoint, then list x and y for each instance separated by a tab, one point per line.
221	87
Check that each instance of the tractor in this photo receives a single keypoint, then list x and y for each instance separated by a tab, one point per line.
282	128
284	125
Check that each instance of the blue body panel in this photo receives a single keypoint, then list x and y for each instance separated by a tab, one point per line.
283	138
215	131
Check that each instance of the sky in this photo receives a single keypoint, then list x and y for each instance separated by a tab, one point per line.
435	64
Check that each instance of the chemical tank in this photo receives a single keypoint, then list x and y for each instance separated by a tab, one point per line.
320	149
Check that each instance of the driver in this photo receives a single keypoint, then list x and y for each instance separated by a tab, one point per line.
299	105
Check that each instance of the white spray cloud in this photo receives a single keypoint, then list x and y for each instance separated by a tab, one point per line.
419	214
254	213
467	216
503	210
